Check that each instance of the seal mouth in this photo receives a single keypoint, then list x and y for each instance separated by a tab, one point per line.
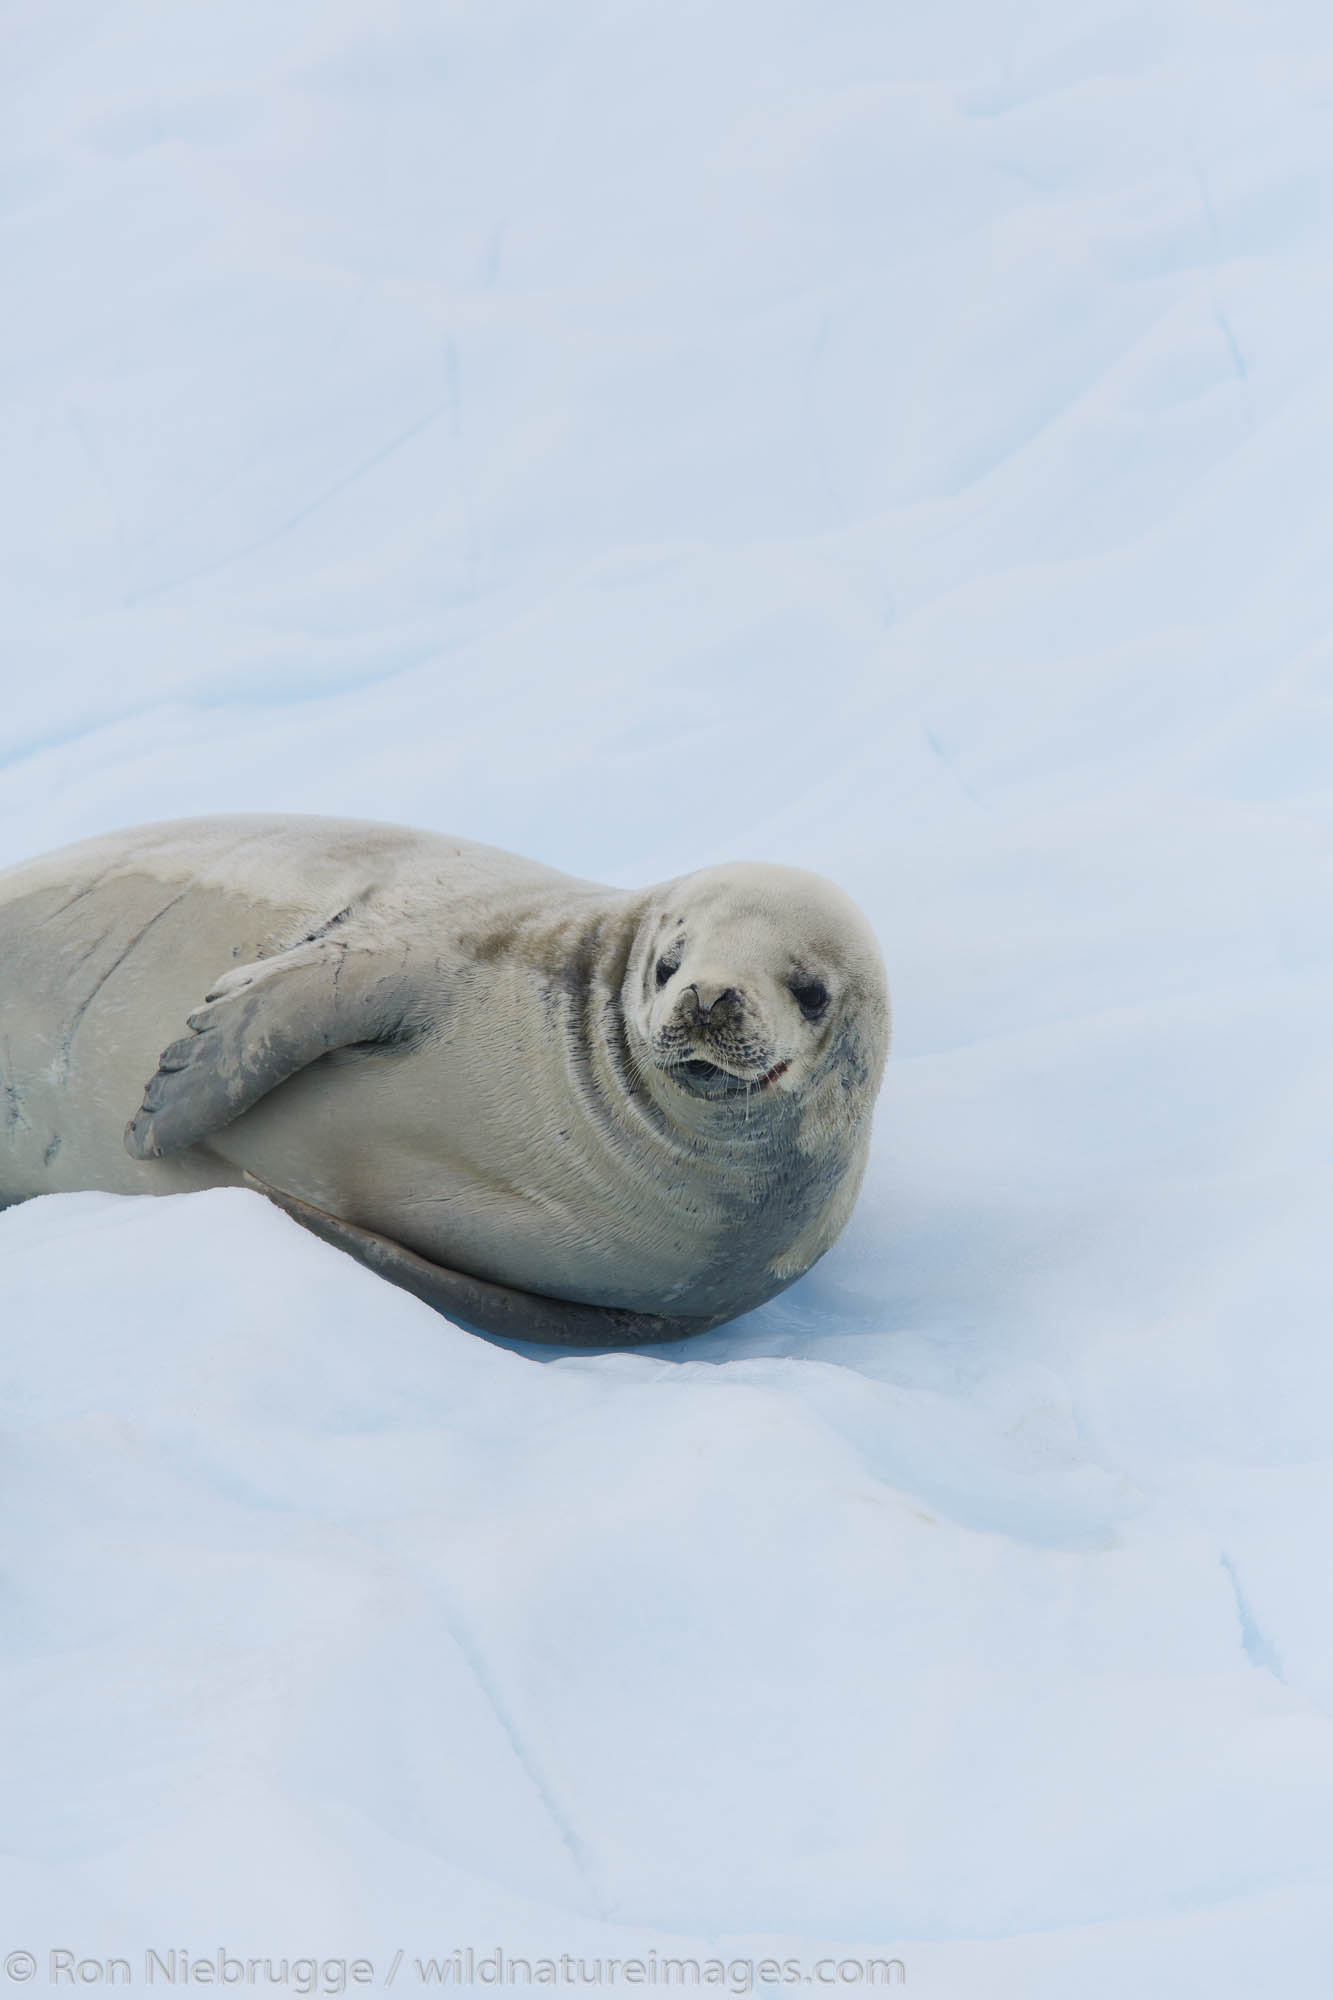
710	1080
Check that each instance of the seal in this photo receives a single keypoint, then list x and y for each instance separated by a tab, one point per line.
554	1110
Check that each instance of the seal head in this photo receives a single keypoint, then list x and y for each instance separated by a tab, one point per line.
753	983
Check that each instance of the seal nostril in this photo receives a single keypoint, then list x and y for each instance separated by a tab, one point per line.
724	1006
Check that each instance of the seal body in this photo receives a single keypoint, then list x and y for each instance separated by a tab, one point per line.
656	1101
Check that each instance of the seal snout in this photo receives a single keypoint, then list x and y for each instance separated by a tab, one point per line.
709	1004
713	1041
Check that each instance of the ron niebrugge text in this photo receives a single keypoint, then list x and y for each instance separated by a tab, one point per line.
463	1968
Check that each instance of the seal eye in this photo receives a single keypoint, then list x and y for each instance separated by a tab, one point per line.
811	996
665	968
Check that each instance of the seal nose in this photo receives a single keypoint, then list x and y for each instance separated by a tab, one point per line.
706	1001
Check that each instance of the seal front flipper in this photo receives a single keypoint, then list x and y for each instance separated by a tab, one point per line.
260	1024
491	1308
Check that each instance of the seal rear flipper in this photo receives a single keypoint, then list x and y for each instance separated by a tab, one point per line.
490	1308
260	1024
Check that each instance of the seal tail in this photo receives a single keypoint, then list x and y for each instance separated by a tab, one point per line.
478	1304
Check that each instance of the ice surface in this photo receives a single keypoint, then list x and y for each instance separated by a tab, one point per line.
890	440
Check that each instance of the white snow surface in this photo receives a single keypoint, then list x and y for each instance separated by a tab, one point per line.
893	440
